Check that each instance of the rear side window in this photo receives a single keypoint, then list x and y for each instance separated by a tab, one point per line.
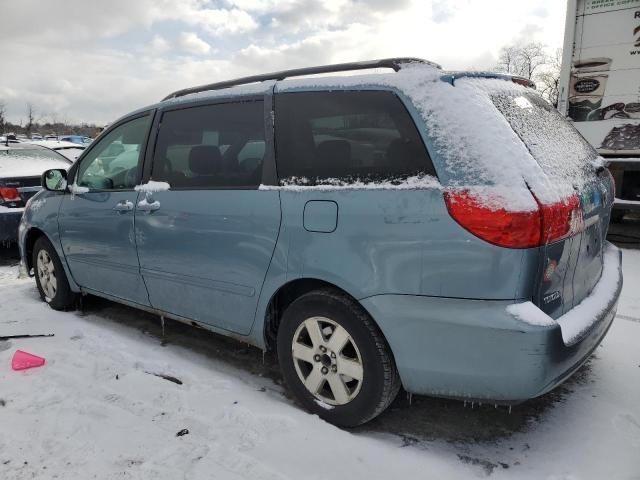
212	146
352	136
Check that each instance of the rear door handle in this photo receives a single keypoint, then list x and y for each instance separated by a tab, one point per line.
146	206
122	207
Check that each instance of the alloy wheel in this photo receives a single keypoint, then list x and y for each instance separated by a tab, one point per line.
47	275
327	361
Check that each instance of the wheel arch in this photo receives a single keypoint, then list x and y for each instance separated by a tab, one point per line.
30	239
286	294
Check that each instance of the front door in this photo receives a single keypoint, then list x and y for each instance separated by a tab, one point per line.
206	243
96	217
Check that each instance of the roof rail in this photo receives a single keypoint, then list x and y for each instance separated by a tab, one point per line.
394	63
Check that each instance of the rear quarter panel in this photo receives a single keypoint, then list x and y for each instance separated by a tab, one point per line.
393	242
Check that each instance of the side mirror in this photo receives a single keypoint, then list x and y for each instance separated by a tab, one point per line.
55	180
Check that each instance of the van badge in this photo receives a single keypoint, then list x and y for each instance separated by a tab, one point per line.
551	297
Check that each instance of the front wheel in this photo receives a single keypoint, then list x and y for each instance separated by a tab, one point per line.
50	276
335	359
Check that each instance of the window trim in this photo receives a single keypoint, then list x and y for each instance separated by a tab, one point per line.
399	96
268	161
73	172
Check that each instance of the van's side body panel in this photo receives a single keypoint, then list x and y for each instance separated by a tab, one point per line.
204	254
397	242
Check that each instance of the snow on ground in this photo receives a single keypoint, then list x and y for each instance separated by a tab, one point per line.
96	410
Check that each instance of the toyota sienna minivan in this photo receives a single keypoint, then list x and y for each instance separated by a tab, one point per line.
443	232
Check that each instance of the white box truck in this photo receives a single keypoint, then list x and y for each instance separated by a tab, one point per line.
600	87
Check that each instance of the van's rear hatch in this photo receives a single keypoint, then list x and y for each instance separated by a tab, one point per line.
503	153
570	267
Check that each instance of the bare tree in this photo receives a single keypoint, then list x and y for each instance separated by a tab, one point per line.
2	119
532	57
548	80
508	60
522	60
532	61
31	118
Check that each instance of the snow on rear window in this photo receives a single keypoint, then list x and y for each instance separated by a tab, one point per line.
475	146
561	152
501	139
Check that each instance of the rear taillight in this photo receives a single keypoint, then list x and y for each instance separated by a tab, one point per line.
495	225
512	229
10	194
561	220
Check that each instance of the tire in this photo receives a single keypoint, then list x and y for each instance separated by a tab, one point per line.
323	337
51	279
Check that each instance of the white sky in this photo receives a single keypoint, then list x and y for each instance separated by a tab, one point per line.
89	60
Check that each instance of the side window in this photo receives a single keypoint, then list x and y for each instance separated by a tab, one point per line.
366	136
113	163
211	146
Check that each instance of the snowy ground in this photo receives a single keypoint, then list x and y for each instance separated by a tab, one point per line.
96	409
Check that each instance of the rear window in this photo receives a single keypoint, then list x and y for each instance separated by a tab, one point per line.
350	136
552	141
32	152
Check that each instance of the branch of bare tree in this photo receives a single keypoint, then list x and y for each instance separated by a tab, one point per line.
532	61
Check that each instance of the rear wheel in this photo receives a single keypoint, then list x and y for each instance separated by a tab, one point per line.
51	280
335	359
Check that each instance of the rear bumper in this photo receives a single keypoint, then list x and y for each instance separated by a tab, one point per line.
9	222
477	350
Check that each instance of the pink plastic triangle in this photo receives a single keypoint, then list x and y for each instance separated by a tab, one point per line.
23	360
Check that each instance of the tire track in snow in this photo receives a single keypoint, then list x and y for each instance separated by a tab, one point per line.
628	317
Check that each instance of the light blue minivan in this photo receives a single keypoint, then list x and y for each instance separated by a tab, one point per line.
440	232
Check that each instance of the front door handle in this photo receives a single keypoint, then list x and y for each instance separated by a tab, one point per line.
146	206
122	207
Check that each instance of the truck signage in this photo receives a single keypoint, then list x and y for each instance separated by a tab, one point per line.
600	82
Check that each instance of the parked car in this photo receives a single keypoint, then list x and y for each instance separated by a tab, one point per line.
70	150
21	168
443	232
9	138
77	139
